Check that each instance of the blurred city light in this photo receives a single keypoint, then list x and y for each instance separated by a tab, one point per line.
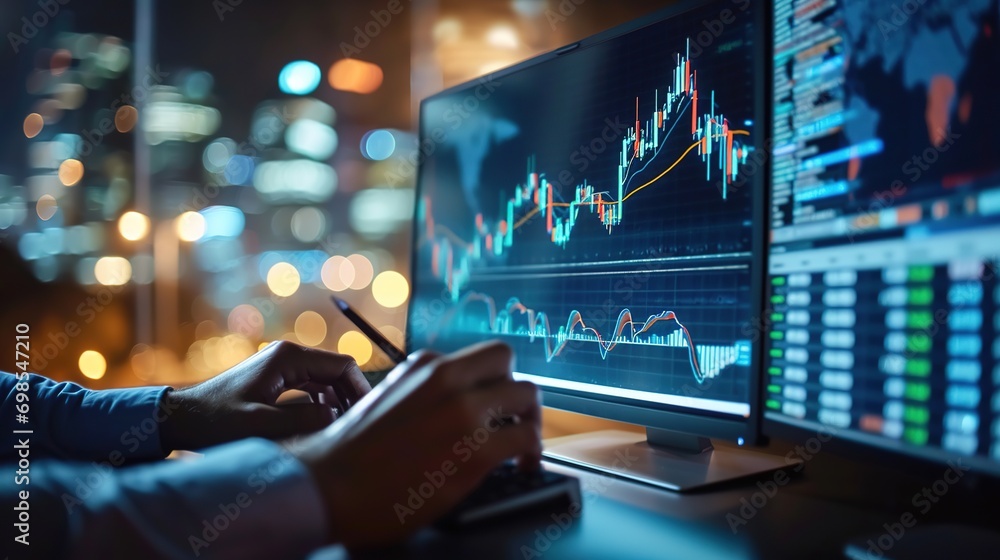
337	273
378	145
113	271
350	74
125	118
283	279
375	213
448	30
217	153
167	119
71	172
190	226
299	78
310	328
222	221
503	37
92	364
363	272
33	125
295	180
356	345
46	207
239	170
390	289
133	226
247	320
308	224
311	139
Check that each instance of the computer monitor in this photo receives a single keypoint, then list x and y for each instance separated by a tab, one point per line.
600	209
883	321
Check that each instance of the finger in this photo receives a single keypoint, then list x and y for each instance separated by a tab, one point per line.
507	403
282	421
481	364
326	395
515	403
301	365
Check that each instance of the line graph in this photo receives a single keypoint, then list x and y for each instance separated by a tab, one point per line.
562	207
518	320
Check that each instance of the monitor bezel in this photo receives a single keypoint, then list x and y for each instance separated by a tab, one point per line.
843	441
690	421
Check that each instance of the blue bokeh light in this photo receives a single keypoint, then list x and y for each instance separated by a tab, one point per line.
299	78
378	145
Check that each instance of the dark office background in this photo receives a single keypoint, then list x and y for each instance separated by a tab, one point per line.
221	204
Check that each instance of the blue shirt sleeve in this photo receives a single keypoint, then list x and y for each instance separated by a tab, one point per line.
248	499
67	421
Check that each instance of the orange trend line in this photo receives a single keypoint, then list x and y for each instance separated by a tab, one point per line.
534	211
660	176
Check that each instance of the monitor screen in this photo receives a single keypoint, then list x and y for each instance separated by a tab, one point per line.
883	322
590	208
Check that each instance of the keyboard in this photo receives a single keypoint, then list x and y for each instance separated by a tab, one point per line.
508	490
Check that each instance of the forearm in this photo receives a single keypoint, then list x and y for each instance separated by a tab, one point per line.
67	421
218	506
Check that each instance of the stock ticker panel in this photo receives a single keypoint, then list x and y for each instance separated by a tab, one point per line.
591	211
886	224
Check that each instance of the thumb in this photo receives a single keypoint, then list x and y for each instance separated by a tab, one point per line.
281	421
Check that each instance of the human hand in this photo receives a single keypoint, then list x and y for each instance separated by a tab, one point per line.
241	401
440	422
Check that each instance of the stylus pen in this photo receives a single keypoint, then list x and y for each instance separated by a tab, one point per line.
397	355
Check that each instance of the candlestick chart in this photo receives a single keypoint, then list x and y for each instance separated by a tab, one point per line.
643	162
595	214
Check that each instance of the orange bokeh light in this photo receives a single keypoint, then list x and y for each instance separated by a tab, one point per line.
351	74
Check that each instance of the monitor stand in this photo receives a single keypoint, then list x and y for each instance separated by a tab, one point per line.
670	460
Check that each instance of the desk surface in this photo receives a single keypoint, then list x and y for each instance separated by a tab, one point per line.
627	520
831	501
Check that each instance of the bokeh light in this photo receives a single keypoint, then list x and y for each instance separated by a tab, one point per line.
390	289
133	226
60	61
46	207
337	273
503	37
350	74
217	153
299	78
70	172
308	224
283	279
113	271
356	345
190	226
312	139
363	272
223	221
378	145
310	328
247	320
92	364
33	125
125	118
